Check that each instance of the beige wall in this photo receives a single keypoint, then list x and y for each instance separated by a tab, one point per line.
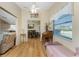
76	25
15	10
55	8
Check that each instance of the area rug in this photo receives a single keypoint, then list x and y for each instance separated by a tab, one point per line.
58	50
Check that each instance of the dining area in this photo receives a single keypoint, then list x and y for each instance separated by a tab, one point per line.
33	28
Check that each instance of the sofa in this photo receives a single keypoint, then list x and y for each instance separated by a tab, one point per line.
7	42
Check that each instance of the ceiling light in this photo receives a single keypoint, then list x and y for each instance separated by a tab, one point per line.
34	9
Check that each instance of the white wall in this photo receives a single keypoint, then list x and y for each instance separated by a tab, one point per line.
24	23
76	24
43	19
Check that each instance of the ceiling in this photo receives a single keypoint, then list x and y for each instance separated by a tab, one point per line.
41	5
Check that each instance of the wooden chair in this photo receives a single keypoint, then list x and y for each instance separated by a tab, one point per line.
47	37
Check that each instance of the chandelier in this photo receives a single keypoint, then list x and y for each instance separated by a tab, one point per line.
34	11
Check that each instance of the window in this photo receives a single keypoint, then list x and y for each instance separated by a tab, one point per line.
12	27
63	26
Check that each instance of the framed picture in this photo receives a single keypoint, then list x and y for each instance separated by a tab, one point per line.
30	26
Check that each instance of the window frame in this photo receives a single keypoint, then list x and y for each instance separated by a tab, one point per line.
60	29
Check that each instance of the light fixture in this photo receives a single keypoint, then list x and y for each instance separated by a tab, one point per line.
34	11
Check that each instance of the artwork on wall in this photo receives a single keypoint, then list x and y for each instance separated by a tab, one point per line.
63	22
30	26
33	24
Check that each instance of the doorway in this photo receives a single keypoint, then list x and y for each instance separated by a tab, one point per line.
33	29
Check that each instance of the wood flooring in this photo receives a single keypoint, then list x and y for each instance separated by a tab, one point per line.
31	48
